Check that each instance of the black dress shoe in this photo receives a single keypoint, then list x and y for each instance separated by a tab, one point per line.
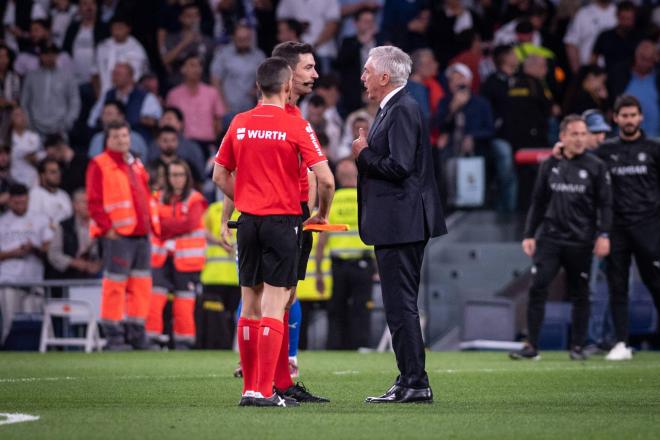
399	394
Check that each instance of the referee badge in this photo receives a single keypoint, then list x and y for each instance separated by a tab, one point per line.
642	157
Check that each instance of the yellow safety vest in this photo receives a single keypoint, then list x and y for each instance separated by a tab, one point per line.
306	290
345	211
220	267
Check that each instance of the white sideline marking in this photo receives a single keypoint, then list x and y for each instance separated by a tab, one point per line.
537	368
17	418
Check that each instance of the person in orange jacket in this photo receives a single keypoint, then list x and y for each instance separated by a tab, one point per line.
123	216
178	255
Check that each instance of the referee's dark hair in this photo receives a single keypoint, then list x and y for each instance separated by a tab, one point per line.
568	120
291	51
272	73
626	101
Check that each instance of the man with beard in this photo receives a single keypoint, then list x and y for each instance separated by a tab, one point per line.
634	163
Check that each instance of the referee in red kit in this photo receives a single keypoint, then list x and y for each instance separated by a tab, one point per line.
264	147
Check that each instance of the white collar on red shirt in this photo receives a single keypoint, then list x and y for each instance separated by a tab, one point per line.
389	96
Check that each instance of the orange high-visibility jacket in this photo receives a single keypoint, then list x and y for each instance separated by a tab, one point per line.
117	198
190	248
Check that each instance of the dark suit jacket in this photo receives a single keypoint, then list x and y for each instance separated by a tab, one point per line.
398	199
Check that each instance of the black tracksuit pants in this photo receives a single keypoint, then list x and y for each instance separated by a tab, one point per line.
642	241
349	316
550	256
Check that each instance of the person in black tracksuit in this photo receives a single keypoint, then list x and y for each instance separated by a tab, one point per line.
633	161
571	213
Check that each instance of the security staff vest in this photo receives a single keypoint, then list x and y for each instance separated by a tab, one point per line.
346	245
220	267
189	250
117	198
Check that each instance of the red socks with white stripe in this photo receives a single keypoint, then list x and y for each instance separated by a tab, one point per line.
270	342
248	332
282	374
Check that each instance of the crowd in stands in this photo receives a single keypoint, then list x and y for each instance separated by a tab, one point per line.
491	77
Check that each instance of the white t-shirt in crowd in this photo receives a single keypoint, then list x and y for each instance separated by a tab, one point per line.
110	52
56	206
585	27
9	19
23	145
83	54
317	13
16	231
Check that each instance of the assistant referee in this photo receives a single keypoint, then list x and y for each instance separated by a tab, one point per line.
263	147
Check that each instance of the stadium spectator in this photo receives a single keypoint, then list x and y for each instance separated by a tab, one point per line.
5	177
233	71
496	90
24	241
71	161
142	109
10	89
16	20
50	95
188	150
316	112
615	46
28	58
642	80
367	112
349	8
114	111
352	132
121	47
449	19
200	104
48	199
588	91
73	253
323	17
465	120
82	37
352	55
188	41
525	123
327	87
289	29
425	72
508	34
471	55
26	150
415	85
62	13
167	141
583	30
259	14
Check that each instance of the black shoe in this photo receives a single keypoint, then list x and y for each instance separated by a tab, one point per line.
246	401
274	400
527	352
287	399
300	394
577	354
399	394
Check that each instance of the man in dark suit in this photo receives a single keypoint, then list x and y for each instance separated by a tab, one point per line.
399	210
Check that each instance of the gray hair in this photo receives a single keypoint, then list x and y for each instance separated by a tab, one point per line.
393	61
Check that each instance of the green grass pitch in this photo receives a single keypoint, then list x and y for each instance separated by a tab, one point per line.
190	395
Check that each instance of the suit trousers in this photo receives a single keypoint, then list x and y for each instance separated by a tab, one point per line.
400	270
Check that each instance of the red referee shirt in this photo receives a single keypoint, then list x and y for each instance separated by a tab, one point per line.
304	183
264	146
